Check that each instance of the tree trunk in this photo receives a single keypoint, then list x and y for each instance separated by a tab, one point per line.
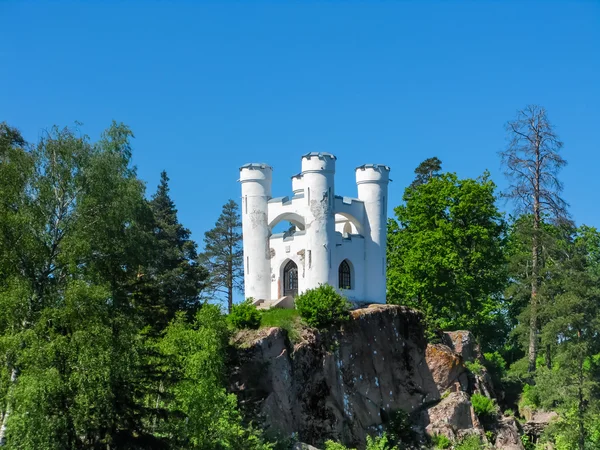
533	320
535	262
13	379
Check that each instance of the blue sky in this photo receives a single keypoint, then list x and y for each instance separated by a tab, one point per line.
209	86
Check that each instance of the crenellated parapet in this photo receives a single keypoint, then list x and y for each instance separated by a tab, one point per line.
336	240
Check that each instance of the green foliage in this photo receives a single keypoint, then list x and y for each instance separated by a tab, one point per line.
203	414
484	407
223	254
439	441
475	367
527	443
173	279
379	443
399	428
244	315
496	367
331	445
322	306
446	257
471	442
288	319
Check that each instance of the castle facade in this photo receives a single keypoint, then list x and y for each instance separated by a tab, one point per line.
335	240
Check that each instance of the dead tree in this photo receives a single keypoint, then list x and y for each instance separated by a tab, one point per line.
532	163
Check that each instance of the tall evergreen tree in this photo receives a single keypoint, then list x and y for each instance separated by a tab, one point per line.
425	171
223	255
532	161
174	279
570	323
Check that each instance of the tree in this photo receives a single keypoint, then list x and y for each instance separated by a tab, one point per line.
446	255
78	224
203	414
223	255
425	171
532	162
174	279
570	323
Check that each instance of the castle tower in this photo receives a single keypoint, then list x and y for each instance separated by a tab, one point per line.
318	170
256	192
372	182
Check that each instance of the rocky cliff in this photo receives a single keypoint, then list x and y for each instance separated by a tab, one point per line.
346	383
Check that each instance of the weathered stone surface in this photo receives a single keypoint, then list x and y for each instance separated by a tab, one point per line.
447	368
464	343
537	423
507	434
302	446
453	417
338	385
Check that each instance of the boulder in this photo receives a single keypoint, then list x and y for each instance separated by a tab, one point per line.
507	434
463	343
453	417
447	368
537	423
303	446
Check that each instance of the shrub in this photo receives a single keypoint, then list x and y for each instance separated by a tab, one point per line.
475	367
331	445
322	306
439	441
379	443
496	366
399	427
471	442
244	315
484	407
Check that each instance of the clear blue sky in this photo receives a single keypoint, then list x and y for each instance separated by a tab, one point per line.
209	86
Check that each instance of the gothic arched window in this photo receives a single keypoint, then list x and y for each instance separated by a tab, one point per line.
345	275
290	279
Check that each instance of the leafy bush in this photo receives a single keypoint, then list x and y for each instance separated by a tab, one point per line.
496	366
288	319
379	443
399	427
484	407
530	396
322	306
331	445
475	367
439	441
471	442
244	315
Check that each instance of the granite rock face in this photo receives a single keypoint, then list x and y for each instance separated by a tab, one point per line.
347	383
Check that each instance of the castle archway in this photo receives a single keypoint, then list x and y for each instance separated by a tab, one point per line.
293	218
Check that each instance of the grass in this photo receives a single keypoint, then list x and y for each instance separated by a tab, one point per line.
288	319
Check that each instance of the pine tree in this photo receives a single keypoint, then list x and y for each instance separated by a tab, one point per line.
174	279
425	171
223	255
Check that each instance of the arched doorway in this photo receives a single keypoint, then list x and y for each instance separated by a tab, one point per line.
290	279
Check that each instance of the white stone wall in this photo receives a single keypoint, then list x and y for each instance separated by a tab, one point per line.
329	230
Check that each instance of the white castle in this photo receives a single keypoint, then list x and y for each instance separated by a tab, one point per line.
335	240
